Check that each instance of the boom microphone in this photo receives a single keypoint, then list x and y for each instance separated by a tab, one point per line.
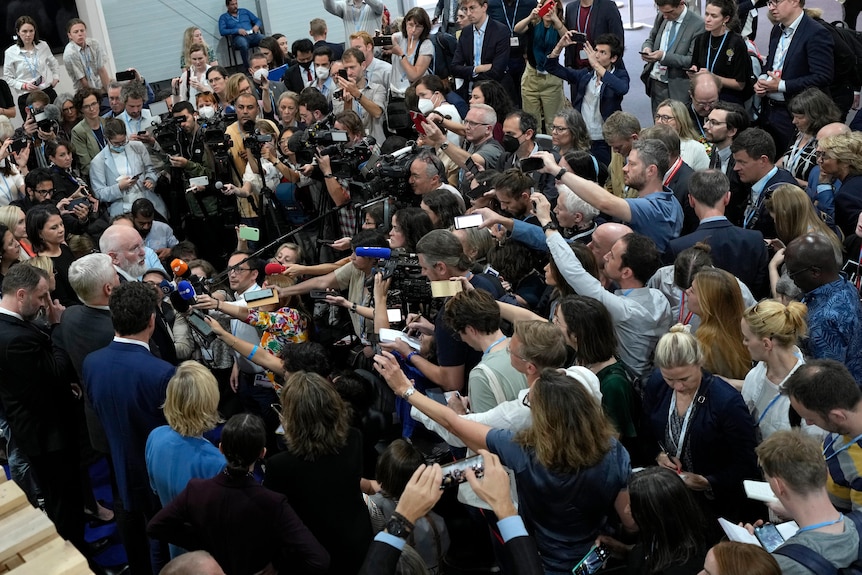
52	112
379	253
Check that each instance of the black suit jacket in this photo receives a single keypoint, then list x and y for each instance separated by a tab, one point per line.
739	192
762	221
495	50
604	19
84	330
337	49
34	388
808	60
739	251
292	79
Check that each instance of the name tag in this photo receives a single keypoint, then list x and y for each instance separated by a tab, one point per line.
514	41
261	380
583	55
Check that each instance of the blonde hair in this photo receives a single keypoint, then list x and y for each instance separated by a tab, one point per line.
784	324
684	125
719	333
191	405
678	348
846	149
44	263
794	216
9	216
231	90
188	42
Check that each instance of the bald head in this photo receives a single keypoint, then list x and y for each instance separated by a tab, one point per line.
124	244
833	129
193	563
704	92
810	261
605	236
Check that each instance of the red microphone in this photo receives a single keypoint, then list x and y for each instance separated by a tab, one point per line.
180	268
274	269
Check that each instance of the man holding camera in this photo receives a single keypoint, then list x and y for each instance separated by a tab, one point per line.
40	126
365	98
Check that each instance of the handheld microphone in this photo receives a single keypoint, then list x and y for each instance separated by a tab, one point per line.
379	253
218	186
274	269
186	291
167	288
180	268
178	302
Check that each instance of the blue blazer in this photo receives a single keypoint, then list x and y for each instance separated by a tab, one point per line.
127	386
808	61
848	204
615	85
720	433
495	51
739	251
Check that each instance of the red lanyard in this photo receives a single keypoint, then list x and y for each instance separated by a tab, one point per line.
681	308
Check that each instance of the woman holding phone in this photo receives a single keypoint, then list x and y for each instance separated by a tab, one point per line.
29	65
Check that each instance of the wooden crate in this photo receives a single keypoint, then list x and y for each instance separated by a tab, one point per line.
29	543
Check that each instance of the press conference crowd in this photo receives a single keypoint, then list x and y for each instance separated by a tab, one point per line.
275	299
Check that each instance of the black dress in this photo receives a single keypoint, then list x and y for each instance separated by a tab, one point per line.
726	57
325	494
63	290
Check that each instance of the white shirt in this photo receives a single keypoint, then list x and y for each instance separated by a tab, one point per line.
143	344
245	332
21	67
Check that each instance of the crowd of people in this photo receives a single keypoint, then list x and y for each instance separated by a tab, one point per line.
626	322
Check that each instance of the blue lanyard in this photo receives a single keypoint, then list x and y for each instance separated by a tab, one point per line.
511	23
844	447
628	291
709	66
821	524
783	47
671	41
477	45
34	65
490	347
768	407
586	22
85	59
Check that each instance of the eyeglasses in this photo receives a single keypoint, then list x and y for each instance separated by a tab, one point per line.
773	3
559	129
700	104
472	124
44	192
512	352
237	269
792	275
821	155
711	122
69	109
90	106
662	118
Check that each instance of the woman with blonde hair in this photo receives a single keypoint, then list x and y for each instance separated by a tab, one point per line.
691	150
795	215
714	295
698	426
193	35
840	158
178	452
14	218
771	331
236	84
734	558
321	468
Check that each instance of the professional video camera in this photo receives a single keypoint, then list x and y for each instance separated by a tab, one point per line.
385	175
319	134
255	140
213	125
168	133
408	285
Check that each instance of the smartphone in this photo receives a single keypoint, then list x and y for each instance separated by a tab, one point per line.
78	202
532	164
592	561
125	76
325	242
338	94
768	536
342	74
578	37
478	191
19	144
382	40
455	472
643	53
142	133
546	8
136	176
257	295
470	221
320	293
418	118
249	233
201	181
471	166
200	326
394	315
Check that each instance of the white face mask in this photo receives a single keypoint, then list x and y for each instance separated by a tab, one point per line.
425	106
206	112
321	73
259	75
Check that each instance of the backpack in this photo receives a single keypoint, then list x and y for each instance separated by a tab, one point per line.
815	562
847	53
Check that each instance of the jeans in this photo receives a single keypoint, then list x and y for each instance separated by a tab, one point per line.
243	43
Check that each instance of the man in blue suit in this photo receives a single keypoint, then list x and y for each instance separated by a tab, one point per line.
800	56
739	251
127	386
482	52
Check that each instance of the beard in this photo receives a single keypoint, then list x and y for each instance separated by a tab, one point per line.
134	269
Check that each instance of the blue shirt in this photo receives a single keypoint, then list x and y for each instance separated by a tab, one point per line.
835	325
246	20
657	216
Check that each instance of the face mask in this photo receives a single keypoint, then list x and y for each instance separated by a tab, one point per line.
259	75
305	65
321	73
510	143
117	149
425	106
206	112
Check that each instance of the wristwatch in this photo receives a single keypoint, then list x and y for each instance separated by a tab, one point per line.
550	226
444	145
399	526
408	392
561	173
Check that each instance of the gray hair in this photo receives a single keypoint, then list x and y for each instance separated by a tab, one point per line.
575	204
88	274
489	116
443	246
433	165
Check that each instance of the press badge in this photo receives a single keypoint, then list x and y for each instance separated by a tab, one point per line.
583	55
514	42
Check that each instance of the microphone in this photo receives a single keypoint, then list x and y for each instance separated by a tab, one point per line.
52	112
380	253
218	185
180	268
167	288
186	291
178	302
274	269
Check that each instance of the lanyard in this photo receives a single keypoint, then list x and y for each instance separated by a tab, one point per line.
681	441
674	169
511	23
781	51
670	41
34	65
768	407
357	15
844	447
490	347
681	308
100	137
408	54
85	59
477	45
821	524
859	271
717	52
795	153
697	120
586	22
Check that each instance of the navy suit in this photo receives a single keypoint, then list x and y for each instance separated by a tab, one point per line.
604	18
337	49
807	62
127	386
762	221
739	251
495	51
848	204
615	85
294	78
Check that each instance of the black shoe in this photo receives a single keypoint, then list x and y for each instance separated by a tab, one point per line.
96	547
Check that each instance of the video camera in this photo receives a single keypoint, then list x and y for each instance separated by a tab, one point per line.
385	175
213	124
168	133
408	285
